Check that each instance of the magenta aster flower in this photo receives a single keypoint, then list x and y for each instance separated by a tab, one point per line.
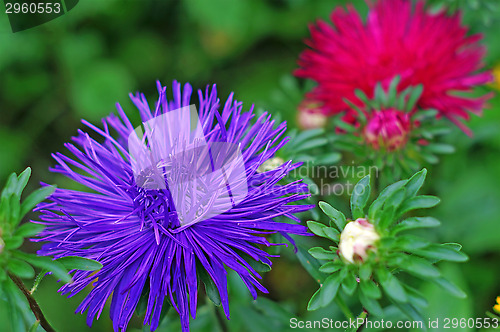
137	232
398	38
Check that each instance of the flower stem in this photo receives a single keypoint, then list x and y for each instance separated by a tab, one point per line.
363	315
35	308
220	320
344	308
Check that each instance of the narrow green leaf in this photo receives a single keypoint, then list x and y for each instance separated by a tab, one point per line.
409	310
410	243
320	253
418	202
370	289
20	268
442	252
22	181
379	202
13	242
28	229
365	271
391	285
317	228
396	198
415	183
79	263
450	287
34	326
330	288
419	267
359	197
315	301
210	287
310	264
371	305
10	186
36	197
415	297
45	263
349	284
15	210
415	222
440	148
414	96
334	214
331	267
393	90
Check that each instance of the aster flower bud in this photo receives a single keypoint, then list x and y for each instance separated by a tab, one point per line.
309	116
374	279
2	244
356	239
388	129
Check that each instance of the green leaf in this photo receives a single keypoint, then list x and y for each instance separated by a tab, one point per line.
370	289
20	268
391	285
10	186
330	288
415	183
34	326
349	284
440	148
311	144
28	229
379	202
442	252
419	267
320	253
450	287
371	305
36	197
419	202
22	181
315	301
13	242
360	196
415	222
365	271
331	267
45	263
317	228
415	297
310	264
334	214
393	89
411	243
415	94
79	263
410	311
210	287
15	210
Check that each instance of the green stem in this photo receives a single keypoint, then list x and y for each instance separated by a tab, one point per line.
35	308
363	315
38	280
220	320
344	308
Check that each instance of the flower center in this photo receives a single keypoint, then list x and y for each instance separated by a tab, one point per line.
387	129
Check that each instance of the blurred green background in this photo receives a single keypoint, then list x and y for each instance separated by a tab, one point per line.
79	65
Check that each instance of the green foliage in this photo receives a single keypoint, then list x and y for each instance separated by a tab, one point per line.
383	275
15	263
423	144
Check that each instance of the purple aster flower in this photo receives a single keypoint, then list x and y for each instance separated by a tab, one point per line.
146	239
